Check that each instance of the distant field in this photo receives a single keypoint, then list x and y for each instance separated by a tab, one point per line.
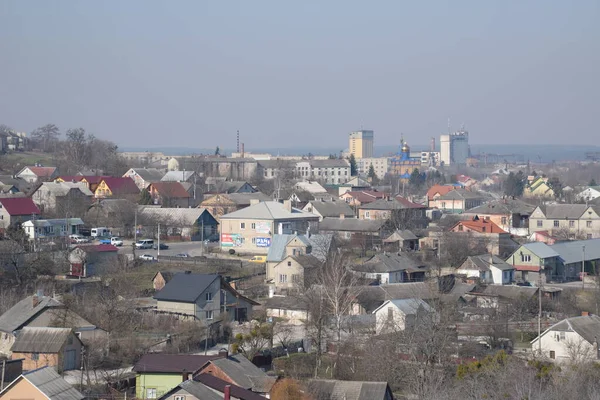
29	158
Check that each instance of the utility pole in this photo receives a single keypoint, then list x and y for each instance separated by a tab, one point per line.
158	246
583	268
540	309
135	226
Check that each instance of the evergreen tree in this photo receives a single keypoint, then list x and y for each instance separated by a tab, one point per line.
145	198
416	179
514	184
217	151
353	166
593	182
372	175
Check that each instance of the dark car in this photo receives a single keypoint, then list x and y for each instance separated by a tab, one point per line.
162	246
182	255
212	238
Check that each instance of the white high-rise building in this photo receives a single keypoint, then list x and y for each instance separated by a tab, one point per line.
454	148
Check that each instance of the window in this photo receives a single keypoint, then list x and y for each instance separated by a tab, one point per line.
562	336
151	393
443	204
209	296
253	240
282	278
556	223
296	278
209	314
525	257
253	226
552	354
242	225
540	223
35	356
588	224
572	224
367	214
503	220
460	228
178	397
289	263
390	313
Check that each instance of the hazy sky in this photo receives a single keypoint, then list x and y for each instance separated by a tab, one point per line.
190	73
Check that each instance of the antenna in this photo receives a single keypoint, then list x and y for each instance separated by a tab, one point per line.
238	141
448	124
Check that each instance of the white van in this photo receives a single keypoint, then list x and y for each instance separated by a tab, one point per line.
144	244
100	232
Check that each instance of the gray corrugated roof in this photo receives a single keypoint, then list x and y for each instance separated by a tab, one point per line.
587	326
198	390
240	370
401	235
503	206
389	262
347	390
177	176
184	216
350	225
572	252
332	208
542	250
185	287
460	194
40	340
409	306
563	211
149	175
23	311
245	198
277	250
269	210
49	382
510	291
484	261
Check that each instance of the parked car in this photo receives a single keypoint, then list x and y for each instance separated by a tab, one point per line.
147	257
258	259
162	246
182	255
78	239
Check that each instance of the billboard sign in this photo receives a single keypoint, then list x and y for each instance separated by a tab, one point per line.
231	240
263	227
263	242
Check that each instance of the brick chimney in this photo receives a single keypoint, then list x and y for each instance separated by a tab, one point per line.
254	201
185	375
342	216
287	204
585	314
35	300
227	392
223	353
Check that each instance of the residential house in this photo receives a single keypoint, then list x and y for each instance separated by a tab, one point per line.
329	209
21	184
437	191
285	248
392	268
202	297
538	188
160	279
9	190
289	308
43	311
355	184
180	176
488	234
488	269
401	314
359	198
534	262
208	387
465	181
401	212
329	389
47	229
544	237
567	221
402	240
215	185
48	347
251	229
157	374
573	340
457	201
220	204
359	232
169	194
143	177
40	384
512	215
330	172
116	187
588	194
16	210
92	260
63	198
91	181
293	273
195	224
238	370
34	174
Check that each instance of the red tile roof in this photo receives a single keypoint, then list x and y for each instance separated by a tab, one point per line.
19	206
170	189
42	172
93	179
441	189
532	268
366	196
407	203
121	185
98	248
481	226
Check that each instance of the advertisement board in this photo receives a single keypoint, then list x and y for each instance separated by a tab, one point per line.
263	227
231	240
263	242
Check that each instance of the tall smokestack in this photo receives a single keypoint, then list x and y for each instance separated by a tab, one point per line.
238	141
242	150
432	148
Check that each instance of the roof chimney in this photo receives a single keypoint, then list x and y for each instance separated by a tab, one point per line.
226	392
287	204
342	216
35	300
585	314
223	353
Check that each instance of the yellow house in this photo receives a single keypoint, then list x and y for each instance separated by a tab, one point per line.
539	188
40	384
111	186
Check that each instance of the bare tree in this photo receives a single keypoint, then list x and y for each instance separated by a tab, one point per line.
47	136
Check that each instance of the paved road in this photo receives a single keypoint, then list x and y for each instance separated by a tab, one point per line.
191	248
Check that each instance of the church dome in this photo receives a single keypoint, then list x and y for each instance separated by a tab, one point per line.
405	148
